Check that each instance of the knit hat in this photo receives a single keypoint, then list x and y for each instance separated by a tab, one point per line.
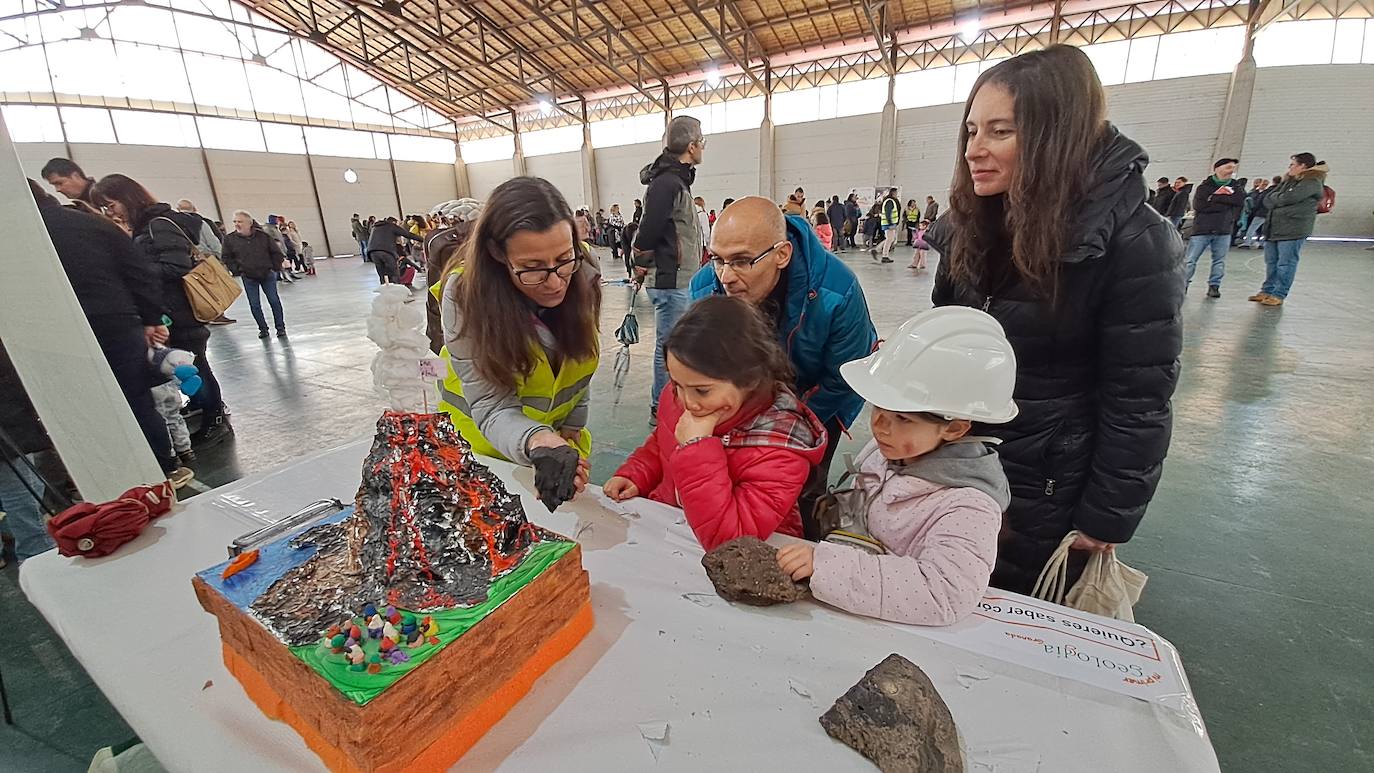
1224	161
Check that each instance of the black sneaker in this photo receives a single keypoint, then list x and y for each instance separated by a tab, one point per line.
215	431
1213	291
263	334
281	333
887	260
187	458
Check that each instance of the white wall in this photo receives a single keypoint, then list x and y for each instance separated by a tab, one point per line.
826	158
1176	121
617	173
564	170
424	184
484	176
269	184
925	152
373	194
1318	109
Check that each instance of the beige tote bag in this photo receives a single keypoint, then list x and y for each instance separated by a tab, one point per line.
1107	587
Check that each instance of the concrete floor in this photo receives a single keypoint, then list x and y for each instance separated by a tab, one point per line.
1257	544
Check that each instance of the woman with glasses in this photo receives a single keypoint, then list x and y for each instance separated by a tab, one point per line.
521	339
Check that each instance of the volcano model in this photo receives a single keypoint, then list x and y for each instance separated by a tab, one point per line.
430	530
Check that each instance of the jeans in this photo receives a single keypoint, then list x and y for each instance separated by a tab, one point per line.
669	306
362	249
1220	244
1280	266
268	287
23	516
1252	232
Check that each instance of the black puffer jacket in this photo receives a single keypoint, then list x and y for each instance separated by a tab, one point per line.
168	246
1216	213
669	238
1095	372
255	256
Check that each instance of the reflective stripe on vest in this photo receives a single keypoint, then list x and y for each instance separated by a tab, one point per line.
567	387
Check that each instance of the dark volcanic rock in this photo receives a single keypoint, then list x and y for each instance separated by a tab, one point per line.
894	717
746	570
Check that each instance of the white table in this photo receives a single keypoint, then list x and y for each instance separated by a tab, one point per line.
741	686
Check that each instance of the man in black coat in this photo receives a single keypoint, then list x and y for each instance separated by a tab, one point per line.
835	214
254	256
1161	196
1178	204
1094	376
1217	203
381	249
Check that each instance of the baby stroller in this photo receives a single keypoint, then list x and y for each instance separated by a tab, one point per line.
628	335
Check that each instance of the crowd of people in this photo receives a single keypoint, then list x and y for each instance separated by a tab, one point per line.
1278	214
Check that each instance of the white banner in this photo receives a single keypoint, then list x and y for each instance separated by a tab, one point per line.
1122	657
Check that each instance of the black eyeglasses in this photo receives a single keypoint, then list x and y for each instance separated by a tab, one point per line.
532	277
741	265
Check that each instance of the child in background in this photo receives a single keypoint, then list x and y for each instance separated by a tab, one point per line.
823	229
308	255
733	446
918	536
167	398
918	261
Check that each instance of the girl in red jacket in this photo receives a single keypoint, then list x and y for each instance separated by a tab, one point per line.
733	446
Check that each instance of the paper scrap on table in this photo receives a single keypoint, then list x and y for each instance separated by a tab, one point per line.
1004	757
655	734
798	688
700	599
619	508
968	676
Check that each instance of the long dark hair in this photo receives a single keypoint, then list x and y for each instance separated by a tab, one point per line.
1061	121
127	191
496	315
729	339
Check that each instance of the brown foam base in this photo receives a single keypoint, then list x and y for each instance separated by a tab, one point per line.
429	719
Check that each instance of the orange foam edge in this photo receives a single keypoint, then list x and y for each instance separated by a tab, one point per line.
466	730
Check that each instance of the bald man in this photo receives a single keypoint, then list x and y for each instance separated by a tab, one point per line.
778	264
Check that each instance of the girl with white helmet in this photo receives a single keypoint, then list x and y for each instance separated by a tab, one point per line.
917	536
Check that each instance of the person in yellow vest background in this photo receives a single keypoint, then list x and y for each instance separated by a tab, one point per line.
521	338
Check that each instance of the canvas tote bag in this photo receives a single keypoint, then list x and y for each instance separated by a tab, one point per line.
208	285
1107	587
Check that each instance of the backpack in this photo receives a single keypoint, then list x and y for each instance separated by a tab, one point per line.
1328	200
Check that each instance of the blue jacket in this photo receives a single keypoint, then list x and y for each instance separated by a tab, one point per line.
827	322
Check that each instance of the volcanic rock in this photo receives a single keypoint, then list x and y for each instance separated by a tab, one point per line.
746	570
895	717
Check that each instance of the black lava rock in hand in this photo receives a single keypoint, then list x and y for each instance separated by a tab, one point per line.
555	474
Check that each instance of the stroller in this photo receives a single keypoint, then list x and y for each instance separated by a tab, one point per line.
628	335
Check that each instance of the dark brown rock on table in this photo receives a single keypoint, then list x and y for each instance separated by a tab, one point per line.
746	570
896	718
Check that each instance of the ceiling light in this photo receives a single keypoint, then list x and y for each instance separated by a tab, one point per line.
969	30
545	107
712	77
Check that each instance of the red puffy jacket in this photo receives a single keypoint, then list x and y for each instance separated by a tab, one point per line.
744	480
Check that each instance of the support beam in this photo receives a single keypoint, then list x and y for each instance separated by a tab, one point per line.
718	34
461	183
1235	117
518	160
56	355
590	194
887	141
767	135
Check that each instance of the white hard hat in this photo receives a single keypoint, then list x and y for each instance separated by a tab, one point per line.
953	361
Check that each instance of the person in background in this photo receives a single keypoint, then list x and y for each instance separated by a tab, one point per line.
358	228
520	333
1259	213
932	209
583	225
1292	217
795	203
835	214
823	230
711	219
292	235
255	257
669	237
212	245
918	536
444	260
1216	205
912	221
600	224
1161	196
122	298
1178	205
852	214
726	203
21	487
638	213
703	225
615	231
817	208
1087	282
308	258
817	308
736	444
891	221
918	260
873	228
168	401
69	180
381	248
273	231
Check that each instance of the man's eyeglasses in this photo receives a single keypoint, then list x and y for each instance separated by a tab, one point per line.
741	265
531	277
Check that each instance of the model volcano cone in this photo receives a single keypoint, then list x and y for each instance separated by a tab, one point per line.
430	530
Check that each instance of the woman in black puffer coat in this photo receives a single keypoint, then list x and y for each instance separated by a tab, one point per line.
165	237
1049	232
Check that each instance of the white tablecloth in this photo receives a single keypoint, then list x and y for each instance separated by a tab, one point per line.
672	676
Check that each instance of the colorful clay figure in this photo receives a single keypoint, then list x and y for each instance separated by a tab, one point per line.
389	632
374	664
397	656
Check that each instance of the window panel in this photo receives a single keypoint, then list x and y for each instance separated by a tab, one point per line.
796	106
924	87
87	124
547	141
314	60
320	103
230	134
1140	63
621	131
405	147
135	127
380	147
339	142
861	97
274	92
1201	52
1349	43
207	36
219	82
24	70
283	138
143	24
1295	42
1368	56
1109	59
85	67
964	77
743	114
32	123
489	149
152	73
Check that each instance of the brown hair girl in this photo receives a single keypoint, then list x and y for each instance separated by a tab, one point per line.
729	339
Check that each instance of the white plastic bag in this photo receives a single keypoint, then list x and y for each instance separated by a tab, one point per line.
1107	587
